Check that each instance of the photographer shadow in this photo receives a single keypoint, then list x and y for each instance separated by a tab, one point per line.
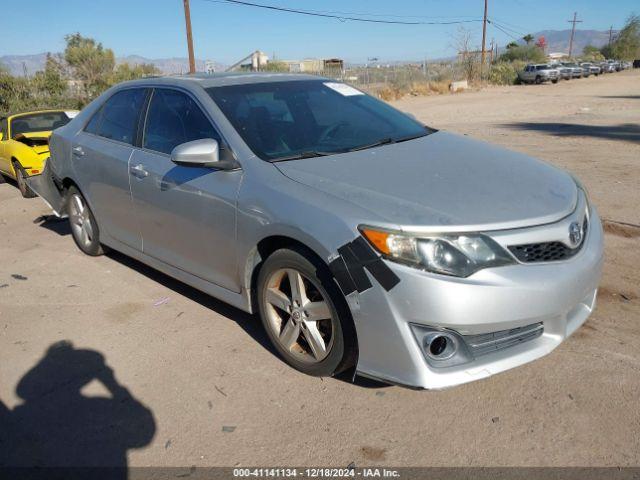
59	431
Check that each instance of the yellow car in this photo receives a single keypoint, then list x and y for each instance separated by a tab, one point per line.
24	143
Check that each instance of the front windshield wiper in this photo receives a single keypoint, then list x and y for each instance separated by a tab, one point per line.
384	141
301	155
412	137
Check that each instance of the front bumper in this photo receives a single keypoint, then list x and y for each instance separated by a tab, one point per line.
561	295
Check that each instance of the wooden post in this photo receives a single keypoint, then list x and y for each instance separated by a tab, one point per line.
187	19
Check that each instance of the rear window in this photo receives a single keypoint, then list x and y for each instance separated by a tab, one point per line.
38	122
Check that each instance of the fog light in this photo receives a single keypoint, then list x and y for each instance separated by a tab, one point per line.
440	347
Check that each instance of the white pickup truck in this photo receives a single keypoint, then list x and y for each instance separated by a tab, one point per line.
538	74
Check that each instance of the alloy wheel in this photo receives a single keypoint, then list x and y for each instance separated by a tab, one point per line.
299	315
79	217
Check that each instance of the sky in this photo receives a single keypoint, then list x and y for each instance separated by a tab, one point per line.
225	33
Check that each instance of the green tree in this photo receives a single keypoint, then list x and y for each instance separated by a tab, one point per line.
592	54
125	71
51	81
528	38
626	46
527	53
91	64
511	45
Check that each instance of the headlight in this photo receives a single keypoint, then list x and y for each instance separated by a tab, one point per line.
459	255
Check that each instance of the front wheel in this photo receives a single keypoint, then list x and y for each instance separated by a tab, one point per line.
555	80
21	176
305	314
84	228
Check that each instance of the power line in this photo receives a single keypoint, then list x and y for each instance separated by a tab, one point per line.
504	27
342	18
502	30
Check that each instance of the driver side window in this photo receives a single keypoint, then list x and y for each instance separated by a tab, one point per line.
174	118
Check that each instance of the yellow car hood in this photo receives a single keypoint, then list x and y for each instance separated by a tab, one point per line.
38	141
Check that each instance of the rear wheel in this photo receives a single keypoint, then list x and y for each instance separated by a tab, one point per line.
538	80
555	80
21	176
305	314
84	228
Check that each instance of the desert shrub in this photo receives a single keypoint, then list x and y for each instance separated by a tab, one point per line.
505	73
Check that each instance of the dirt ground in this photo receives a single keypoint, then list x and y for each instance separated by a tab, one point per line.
216	393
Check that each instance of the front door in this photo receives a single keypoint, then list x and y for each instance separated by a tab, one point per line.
187	214
102	152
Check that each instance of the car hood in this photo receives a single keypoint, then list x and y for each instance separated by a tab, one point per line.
39	141
442	182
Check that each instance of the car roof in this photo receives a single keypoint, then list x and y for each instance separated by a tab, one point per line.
223	79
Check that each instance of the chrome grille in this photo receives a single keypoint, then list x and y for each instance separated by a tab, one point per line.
485	343
547	251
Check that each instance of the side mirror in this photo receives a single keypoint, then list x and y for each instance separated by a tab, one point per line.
201	153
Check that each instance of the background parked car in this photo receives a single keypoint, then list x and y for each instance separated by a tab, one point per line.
565	73
575	69
538	74
592	68
24	143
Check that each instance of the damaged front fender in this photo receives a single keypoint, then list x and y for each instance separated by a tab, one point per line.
47	187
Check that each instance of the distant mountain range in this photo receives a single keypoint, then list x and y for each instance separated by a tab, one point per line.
18	64
558	40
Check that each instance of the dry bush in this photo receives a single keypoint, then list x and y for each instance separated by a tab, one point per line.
396	92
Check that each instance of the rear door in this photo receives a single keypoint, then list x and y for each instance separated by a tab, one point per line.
100	155
187	214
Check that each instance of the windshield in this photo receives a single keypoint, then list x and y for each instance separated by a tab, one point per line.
38	122
304	118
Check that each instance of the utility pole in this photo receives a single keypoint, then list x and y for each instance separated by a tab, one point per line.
573	31
187	19
610	34
491	52
484	38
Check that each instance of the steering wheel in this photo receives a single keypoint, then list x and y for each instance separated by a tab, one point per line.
329	130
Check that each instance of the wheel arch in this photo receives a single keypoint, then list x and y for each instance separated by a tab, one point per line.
262	250
268	245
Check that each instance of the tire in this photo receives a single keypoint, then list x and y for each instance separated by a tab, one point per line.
538	80
290	336
21	175
555	80
84	228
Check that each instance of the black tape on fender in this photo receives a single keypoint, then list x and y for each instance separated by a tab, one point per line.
372	262
342	276
349	267
354	266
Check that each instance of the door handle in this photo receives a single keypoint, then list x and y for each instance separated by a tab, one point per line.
78	151
138	171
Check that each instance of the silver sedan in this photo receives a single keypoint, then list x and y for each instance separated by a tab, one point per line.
366	242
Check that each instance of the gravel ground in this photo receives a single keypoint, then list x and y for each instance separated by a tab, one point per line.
195	383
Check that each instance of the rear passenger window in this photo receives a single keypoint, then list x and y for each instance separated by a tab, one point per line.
174	118
118	117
